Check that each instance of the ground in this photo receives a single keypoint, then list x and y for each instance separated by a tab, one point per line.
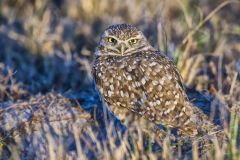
46	53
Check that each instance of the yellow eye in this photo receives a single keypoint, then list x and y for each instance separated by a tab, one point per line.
133	41
111	40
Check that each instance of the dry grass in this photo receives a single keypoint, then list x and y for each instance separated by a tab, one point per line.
47	46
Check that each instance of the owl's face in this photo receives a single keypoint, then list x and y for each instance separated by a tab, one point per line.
122	40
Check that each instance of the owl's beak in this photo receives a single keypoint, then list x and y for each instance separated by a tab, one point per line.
122	48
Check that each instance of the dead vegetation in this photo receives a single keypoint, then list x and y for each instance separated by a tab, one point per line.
46	47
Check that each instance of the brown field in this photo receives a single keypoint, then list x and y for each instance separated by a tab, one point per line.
49	107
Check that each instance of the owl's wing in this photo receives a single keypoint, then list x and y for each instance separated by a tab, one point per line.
159	95
174	69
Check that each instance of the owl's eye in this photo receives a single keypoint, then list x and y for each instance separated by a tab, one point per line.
133	41
111	40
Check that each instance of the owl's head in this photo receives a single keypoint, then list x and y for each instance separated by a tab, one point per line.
122	40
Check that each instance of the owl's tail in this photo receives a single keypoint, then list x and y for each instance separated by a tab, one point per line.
200	127
203	132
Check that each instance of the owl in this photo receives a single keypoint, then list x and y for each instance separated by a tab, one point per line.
137	80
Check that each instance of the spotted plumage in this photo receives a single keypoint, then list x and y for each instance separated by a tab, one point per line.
137	80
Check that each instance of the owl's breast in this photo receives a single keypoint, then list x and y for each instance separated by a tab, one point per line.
116	83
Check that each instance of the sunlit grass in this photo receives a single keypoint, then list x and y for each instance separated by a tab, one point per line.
48	46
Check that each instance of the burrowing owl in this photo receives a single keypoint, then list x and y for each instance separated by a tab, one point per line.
134	78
